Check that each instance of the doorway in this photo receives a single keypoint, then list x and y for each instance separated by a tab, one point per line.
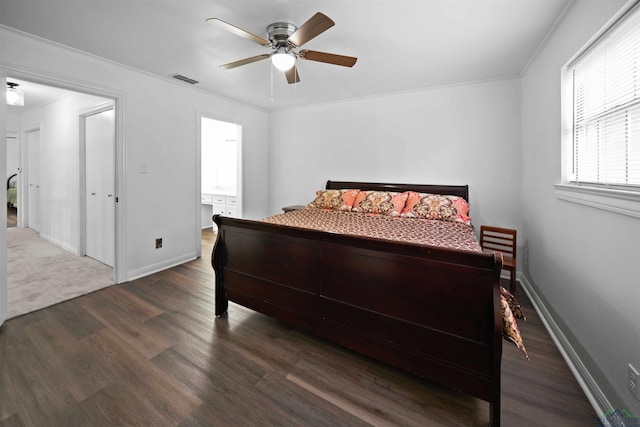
60	166
221	169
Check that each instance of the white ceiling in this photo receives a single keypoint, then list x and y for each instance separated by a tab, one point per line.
401	45
35	95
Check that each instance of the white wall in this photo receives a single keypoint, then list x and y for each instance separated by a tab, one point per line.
12	155
13	121
582	262
465	134
160	129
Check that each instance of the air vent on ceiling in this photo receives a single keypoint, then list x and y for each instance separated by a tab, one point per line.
184	79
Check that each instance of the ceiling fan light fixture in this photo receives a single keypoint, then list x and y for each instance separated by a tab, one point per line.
283	60
283	38
14	96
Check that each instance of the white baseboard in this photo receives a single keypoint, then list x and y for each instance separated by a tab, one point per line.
592	391
164	265
67	247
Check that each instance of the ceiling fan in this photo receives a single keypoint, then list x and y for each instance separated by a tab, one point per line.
283	38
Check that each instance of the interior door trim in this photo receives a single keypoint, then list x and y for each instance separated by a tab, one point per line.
82	170
118	98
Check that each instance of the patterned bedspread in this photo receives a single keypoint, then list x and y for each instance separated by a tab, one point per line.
444	234
450	235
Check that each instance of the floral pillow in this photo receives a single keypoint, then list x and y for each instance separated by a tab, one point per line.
436	206
339	200
380	202
510	331
513	304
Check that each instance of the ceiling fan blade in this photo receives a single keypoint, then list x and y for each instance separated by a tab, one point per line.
316	25
239	31
329	58
244	61
292	75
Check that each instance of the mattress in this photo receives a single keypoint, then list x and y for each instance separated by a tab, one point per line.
423	232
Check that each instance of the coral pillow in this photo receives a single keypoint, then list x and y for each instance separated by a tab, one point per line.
339	200
380	202
436	206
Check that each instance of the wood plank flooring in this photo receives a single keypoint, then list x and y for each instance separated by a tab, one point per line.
151	353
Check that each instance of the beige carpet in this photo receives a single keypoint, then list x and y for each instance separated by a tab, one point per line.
40	274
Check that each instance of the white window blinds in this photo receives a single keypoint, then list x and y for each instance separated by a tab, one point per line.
606	107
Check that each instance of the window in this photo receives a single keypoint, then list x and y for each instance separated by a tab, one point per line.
605	128
601	110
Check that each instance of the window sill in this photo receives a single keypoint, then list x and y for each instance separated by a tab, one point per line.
618	201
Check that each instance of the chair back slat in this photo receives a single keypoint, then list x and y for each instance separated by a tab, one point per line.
498	239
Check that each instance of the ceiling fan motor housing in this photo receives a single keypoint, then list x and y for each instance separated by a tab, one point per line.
279	33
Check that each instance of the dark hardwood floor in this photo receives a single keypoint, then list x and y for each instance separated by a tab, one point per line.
151	353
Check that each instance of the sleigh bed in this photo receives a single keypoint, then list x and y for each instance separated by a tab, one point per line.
430	310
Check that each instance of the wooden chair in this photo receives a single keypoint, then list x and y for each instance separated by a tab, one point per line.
496	239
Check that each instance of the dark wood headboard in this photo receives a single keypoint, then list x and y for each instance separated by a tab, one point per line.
453	190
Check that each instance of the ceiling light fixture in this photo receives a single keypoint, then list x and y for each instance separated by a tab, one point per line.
14	96
283	60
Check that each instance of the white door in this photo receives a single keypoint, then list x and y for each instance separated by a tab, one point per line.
100	185
33	180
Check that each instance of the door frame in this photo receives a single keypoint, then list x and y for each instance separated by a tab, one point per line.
82	170
119	102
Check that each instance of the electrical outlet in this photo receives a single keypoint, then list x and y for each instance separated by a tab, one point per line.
159	243
632	381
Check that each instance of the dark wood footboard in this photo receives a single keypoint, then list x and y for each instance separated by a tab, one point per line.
430	311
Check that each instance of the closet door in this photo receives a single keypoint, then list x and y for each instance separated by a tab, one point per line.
100	185
33	180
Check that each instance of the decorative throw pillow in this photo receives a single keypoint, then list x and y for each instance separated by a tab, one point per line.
380	202
513	304
339	200
436	206
510	330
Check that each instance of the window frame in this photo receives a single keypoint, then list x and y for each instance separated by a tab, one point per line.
623	200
